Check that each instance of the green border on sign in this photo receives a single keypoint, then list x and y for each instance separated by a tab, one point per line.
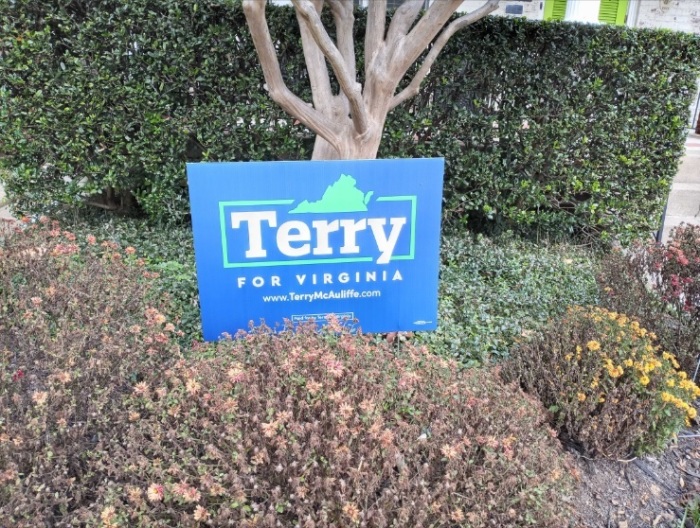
263	264
412	251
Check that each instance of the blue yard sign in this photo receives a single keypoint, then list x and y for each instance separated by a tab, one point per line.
297	241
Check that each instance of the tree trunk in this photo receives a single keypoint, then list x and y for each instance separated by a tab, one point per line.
352	146
349	124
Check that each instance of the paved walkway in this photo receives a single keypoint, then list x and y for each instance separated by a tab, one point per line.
684	199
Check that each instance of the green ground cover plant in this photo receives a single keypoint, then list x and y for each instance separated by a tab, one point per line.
493	292
105	421
610	388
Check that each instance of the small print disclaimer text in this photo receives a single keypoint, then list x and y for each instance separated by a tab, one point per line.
305	318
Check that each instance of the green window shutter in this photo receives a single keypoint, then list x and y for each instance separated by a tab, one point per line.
613	12
554	9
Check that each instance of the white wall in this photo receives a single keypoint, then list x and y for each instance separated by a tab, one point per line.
533	10
680	15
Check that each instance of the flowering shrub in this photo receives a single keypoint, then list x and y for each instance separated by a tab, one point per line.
329	429
103	422
78	326
315	429
609	388
660	285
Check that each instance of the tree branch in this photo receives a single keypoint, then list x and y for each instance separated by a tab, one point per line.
403	19
254	11
342	13
316	65
348	85
344	20
407	48
374	35
412	89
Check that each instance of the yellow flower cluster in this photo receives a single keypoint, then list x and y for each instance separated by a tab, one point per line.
627	349
690	411
649	364
579	351
593	346
614	361
614	371
690	387
628	338
638	330
672	359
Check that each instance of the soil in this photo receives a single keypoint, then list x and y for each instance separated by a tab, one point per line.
646	492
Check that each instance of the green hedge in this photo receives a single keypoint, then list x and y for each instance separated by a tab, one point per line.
104	101
108	98
553	127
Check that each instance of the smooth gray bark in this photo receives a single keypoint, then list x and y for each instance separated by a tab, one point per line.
349	124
